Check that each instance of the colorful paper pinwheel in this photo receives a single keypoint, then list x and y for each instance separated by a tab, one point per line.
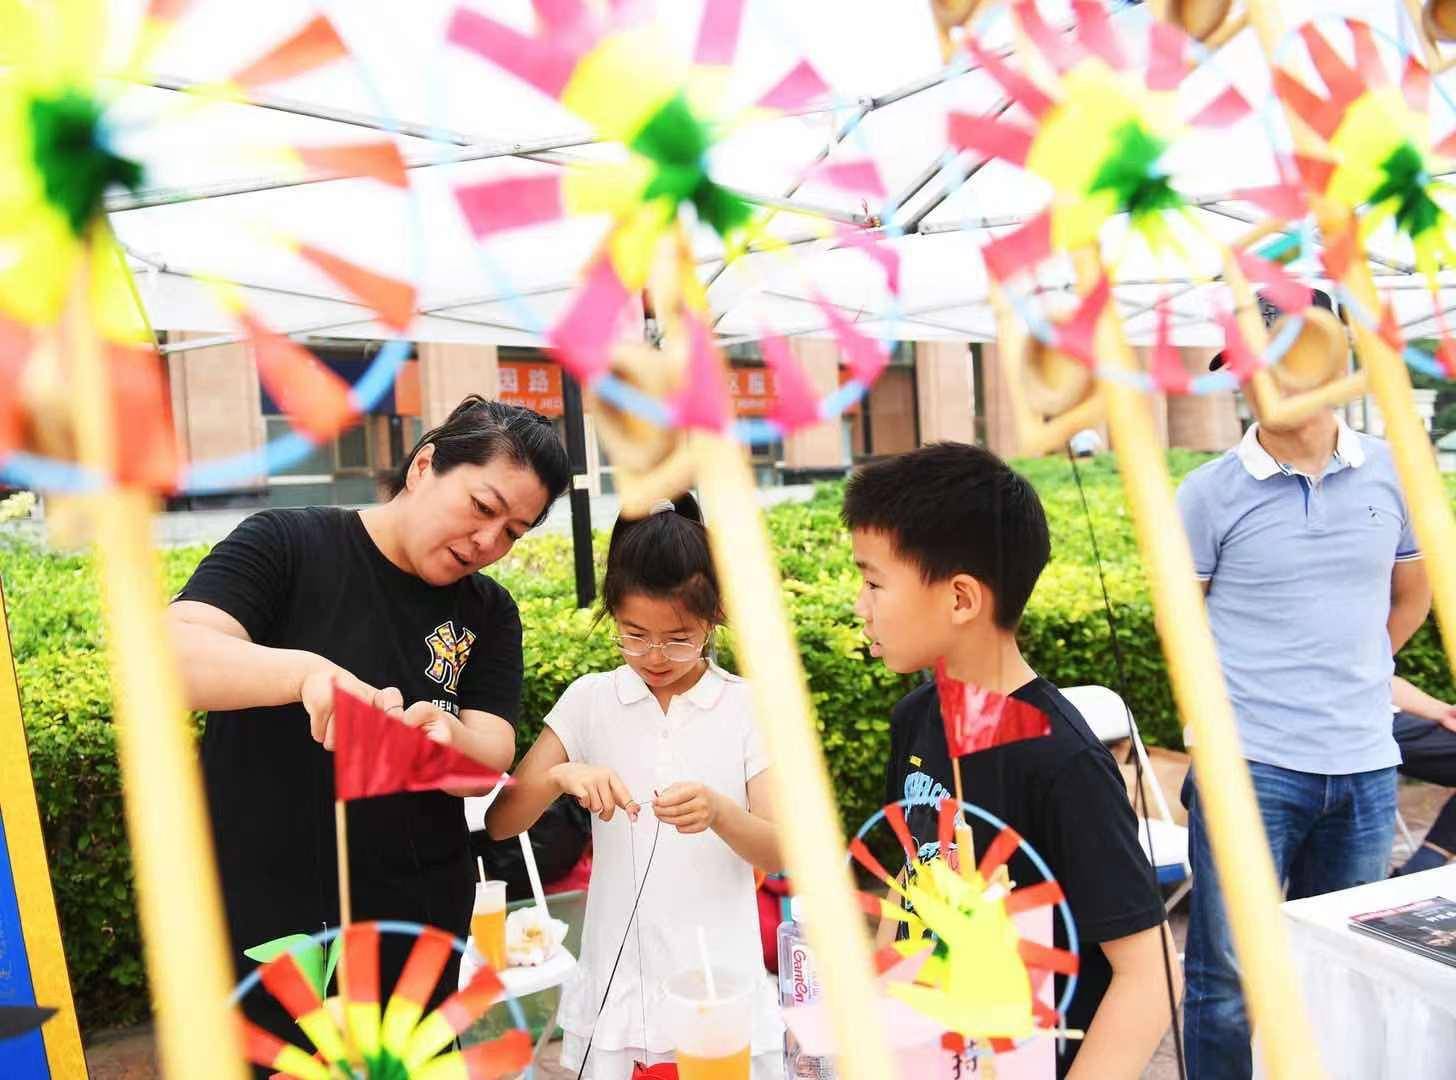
395	1040
616	72
1381	162
982	979
62	274
1100	136
1379	165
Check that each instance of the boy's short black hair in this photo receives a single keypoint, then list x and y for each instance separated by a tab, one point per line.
950	508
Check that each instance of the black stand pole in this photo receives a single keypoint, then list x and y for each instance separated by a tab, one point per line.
581	532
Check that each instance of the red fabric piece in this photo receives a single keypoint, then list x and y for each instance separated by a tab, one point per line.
578	877
15	347
1322	115
1237	356
1223	111
666	1071
1018	87
1094	31
1415	84
769	917
1281	200
1020	250
977	719
1061	51
718	32
546	63
1339	249
1342	81
704	402
991	137
1390	332
146	450
798	403
1167	56
1277	284
1367	55
1077	335
1169	374
584	336
377	754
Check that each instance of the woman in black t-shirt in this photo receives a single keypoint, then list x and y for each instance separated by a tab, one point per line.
387	603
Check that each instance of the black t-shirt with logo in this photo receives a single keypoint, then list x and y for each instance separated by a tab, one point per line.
313	579
1064	795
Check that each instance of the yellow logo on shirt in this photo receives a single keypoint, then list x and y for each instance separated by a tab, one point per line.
448	653
914	760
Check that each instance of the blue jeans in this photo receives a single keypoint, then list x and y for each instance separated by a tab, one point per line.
1325	833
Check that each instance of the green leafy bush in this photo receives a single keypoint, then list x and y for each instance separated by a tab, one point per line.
57	640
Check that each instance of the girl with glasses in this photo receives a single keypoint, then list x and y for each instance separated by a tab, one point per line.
664	751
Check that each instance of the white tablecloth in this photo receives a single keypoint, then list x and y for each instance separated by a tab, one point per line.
1378	1011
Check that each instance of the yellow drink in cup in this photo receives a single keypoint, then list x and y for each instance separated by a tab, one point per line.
711	1028
734	1067
488	922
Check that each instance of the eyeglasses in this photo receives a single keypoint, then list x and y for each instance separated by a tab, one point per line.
678	652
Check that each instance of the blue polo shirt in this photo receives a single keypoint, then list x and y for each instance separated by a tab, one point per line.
1299	571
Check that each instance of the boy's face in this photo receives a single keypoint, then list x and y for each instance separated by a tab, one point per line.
907	621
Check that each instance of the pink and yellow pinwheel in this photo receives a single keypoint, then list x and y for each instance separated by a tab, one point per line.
393	1040
614	70
1099	135
62	273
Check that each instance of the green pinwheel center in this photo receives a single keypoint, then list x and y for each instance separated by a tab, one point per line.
677	144
1406	180
385	1066
1132	173
75	165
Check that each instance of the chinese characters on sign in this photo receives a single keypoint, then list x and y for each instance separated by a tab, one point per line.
536	386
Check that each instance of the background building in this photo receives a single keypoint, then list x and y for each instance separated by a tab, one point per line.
930	392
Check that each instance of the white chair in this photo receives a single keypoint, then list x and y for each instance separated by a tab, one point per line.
1163	841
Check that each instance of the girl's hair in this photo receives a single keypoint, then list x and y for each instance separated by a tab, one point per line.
479	431
664	555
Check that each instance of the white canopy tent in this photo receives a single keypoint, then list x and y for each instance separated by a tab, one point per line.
217	197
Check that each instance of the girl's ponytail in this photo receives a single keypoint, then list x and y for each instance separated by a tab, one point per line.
664	555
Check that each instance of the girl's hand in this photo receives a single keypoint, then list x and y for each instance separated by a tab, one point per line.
690	808
597	788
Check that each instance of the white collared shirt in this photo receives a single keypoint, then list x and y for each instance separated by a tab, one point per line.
1349	452
706	735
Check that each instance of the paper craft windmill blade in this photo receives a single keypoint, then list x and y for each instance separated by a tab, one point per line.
377	754
615	72
979	979
1102	125
58	139
977	719
396	1041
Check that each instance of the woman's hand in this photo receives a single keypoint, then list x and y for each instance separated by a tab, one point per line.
316	693
438	725
597	788
690	808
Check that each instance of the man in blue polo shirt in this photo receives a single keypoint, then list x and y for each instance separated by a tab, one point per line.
1301	537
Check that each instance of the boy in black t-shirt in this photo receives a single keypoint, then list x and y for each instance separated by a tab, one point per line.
950	542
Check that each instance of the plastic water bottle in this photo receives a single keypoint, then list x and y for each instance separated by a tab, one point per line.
799	985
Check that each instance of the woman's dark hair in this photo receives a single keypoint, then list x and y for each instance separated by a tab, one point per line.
479	431
664	555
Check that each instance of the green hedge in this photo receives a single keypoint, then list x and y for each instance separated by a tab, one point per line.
57	641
